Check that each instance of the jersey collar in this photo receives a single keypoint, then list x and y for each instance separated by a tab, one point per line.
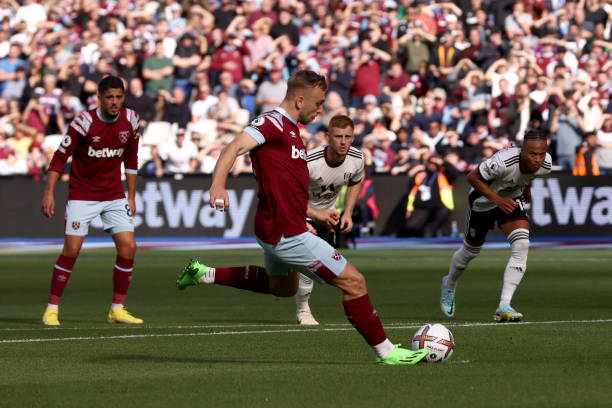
285	114
102	118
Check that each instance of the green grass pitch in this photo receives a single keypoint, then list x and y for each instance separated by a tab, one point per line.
213	346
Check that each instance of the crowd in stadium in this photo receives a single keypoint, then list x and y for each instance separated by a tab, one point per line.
461	79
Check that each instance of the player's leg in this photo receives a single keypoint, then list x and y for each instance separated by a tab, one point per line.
517	232
250	277
117	220
78	216
477	226
303	314
315	257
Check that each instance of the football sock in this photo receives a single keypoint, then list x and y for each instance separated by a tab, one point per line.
383	349
209	276
461	258
122	275
303	293
251	277
50	306
115	306
61	274
364	318
517	264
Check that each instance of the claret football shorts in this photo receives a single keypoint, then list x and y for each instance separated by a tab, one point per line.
116	216
305	253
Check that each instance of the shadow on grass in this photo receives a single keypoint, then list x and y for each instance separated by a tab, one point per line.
169	359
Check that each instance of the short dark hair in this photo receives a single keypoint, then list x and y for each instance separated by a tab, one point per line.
535	134
341	122
110	82
305	79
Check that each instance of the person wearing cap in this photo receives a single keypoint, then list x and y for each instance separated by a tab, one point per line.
176	156
430	201
272	91
186	59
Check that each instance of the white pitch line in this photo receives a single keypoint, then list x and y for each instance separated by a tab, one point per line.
247	332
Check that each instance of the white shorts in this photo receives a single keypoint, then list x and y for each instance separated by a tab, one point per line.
116	216
305	253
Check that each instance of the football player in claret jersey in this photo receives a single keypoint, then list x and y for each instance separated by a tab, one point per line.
279	162
99	141
330	167
500	189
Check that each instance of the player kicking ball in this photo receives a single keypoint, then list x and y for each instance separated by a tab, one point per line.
99	141
330	167
500	188
279	163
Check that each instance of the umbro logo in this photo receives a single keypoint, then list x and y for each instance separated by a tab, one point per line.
96	139
292	133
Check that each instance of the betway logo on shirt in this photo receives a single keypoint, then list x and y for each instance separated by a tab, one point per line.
298	153
104	153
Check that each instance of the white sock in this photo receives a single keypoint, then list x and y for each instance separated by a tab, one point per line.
461	258
209	276
383	349
517	264
50	306
303	293
115	306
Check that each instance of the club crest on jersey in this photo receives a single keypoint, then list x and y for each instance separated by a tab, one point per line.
76	225
336	256
124	136
347	177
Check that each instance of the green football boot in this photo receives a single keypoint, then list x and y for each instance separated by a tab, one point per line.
402	356
191	274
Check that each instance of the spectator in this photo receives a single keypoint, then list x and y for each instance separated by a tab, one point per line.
140	102
176	107
185	60
176	156
158	71
566	128
520	111
7	155
9	64
272	91
20	143
604	146
430	202
586	157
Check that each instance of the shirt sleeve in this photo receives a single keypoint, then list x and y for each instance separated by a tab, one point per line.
358	176
67	147
492	168
265	128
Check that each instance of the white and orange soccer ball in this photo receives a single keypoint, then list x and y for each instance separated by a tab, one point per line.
437	339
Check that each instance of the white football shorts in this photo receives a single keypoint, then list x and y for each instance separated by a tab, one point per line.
116	216
305	253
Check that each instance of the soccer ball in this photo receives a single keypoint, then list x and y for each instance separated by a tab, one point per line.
437	339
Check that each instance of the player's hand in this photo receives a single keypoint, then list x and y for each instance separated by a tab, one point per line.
48	205
311	228
219	200
507	205
346	222
132	204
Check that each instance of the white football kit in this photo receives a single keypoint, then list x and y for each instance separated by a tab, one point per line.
326	181
502	170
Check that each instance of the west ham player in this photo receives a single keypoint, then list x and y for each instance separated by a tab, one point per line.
279	161
501	187
330	167
98	141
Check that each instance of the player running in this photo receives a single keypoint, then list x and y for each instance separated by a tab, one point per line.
98	141
279	162
330	168
501	187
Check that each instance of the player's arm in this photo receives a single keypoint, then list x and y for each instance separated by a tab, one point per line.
240	145
328	217
48	202
130	161
352	193
507	205
64	151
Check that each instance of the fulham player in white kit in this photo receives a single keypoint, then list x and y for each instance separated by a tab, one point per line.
501	187
330	167
99	141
